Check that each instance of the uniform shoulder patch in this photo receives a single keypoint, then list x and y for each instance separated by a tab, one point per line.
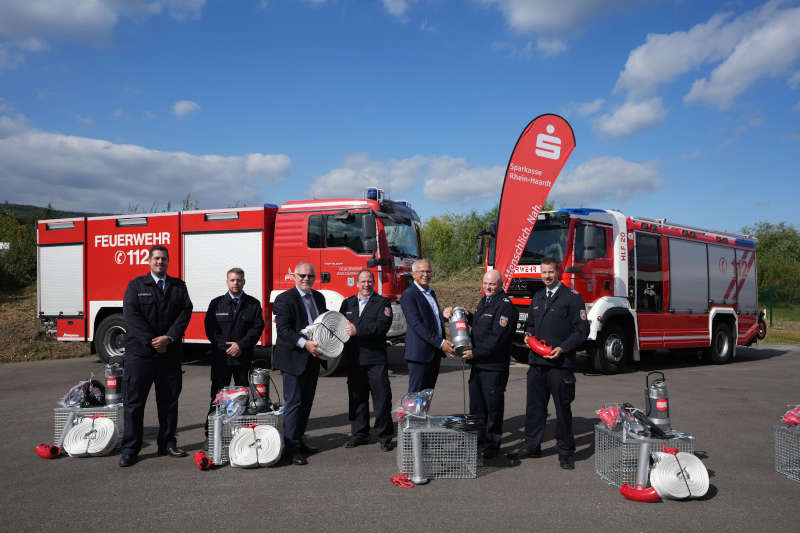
387	311
503	321
583	314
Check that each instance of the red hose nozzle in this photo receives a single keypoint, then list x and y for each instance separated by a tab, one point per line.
47	451
202	461
639	493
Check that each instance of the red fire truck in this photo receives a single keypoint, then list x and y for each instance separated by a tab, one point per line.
85	264
648	284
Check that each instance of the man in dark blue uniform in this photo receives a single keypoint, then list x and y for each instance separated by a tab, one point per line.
157	310
369	318
556	316
234	323
297	358
425	330
493	327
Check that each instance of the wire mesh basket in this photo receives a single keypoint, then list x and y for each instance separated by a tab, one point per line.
446	453
61	415
616	455
787	451
219	441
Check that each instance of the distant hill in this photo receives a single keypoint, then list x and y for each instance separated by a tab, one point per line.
29	214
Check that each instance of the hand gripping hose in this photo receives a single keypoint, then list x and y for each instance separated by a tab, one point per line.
202	461
678	475
328	331
539	346
255	445
96	435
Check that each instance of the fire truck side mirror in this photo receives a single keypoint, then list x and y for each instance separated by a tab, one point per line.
480	250
370	234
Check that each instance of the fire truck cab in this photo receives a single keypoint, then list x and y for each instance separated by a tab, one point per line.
85	264
647	284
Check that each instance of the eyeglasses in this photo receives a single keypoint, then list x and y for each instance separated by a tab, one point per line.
305	276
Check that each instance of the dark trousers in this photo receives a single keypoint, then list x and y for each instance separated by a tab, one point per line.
140	375
544	382
423	375
221	374
298	393
361	379
487	389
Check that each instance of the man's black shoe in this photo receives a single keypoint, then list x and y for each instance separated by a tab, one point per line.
308	450
526	452
127	460
355	441
490	453
387	446
173	451
567	462
298	459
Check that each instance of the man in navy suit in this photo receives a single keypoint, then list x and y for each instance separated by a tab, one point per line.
369	317
297	358
425	329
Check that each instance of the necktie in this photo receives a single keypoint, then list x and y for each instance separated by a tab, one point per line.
547	300
235	304
161	285
311	309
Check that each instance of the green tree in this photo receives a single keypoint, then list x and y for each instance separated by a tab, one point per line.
778	258
18	262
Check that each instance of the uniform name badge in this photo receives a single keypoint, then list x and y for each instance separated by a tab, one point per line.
503	321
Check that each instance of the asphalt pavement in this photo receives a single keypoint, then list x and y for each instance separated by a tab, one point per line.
731	410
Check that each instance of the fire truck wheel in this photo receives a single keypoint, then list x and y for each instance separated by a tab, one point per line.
110	338
761	332
611	350
721	349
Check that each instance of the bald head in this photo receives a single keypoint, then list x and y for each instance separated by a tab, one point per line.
492	282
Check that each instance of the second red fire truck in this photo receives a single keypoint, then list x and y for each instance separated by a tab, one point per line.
648	284
84	264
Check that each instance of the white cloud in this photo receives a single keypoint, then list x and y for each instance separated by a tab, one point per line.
181	108
605	179
32	24
552	17
794	81
584	109
80	173
550	47
451	180
632	117
767	51
395	176
396	8
512	50
9	58
84	120
445	179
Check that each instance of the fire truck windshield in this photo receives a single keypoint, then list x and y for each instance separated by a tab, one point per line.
547	240
401	236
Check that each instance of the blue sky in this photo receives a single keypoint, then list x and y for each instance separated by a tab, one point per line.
683	110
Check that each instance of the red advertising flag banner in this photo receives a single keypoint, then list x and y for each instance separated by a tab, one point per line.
537	159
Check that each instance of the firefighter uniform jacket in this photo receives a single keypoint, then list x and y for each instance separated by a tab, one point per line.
560	322
149	313
242	324
493	326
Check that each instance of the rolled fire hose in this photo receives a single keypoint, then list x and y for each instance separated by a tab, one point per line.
679	476
254	446
328	331
91	436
